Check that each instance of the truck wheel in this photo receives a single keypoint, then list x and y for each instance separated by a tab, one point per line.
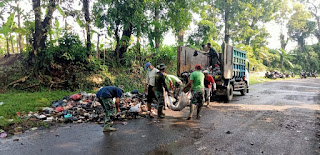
229	94
244	91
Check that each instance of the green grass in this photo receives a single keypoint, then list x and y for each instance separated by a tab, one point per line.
24	102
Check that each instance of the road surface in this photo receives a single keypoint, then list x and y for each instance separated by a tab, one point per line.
279	117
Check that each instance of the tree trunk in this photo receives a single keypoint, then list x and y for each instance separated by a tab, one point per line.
18	49
8	49
42	28
139	49
180	37
301	43
283	41
117	50
157	34
226	22
125	39
38	27
85	9
84	35
98	48
19	35
317	34
12	47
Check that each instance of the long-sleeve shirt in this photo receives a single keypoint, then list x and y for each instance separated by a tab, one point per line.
160	83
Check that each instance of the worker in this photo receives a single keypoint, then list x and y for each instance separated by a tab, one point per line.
105	96
213	55
175	85
204	48
208	81
160	84
196	83
149	84
174	81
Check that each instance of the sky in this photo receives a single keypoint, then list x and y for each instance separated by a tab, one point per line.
169	38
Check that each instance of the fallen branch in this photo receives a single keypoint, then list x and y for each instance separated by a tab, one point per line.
16	82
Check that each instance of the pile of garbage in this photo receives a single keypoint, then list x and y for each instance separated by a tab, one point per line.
84	107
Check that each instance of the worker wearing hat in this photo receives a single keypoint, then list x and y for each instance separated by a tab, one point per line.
196	83
160	84
105	96
150	83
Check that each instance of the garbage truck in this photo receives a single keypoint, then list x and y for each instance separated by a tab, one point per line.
233	74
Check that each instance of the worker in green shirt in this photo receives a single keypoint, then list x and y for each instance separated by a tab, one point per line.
175	85
196	83
173	81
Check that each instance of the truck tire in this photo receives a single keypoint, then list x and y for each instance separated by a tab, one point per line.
244	91
229	94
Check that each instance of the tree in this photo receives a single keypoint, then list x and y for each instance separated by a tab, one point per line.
253	14
299	25
228	10
158	21
42	26
85	9
314	9
207	28
180	17
282	17
124	17
6	30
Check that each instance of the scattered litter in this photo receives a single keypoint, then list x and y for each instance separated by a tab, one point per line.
197	142
228	132
15	140
67	116
306	138
251	144
10	120
3	135
298	131
35	128
124	123
57	135
1	103
201	148
143	136
42	116
76	97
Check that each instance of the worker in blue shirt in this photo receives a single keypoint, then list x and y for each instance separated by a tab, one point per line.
105	96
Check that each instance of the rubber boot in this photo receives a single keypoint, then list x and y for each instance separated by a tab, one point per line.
198	112
160	114
108	128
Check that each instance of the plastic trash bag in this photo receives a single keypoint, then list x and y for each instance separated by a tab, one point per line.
135	108
183	101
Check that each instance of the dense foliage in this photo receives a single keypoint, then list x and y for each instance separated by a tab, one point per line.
118	37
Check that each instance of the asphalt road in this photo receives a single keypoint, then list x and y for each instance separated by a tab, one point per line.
280	117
